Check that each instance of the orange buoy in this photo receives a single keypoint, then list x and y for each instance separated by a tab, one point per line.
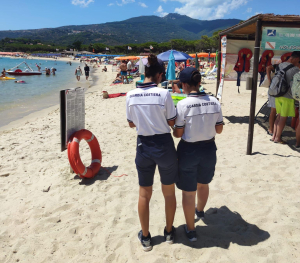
74	156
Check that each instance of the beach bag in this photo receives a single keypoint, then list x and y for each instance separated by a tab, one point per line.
296	87
279	85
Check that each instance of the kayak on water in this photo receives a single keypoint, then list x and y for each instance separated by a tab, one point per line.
6	78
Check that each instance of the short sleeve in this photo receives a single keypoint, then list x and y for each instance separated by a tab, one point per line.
129	119
170	108
220	118
180	120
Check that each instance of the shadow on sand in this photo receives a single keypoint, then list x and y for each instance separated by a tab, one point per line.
222	228
102	175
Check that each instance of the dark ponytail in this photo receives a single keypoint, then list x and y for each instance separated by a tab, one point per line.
195	79
153	67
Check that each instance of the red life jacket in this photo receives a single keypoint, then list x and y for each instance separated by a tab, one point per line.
265	60
243	62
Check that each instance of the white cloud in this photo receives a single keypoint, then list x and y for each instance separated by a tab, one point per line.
111	4
165	1
160	11
82	3
124	2
249	10
142	4
208	9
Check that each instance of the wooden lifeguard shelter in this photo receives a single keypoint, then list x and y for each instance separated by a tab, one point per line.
252	29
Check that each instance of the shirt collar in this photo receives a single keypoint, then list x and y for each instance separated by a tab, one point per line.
147	85
198	94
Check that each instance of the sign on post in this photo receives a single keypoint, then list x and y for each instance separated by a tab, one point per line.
72	113
223	64
281	38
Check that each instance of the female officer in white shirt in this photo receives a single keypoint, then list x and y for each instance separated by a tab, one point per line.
151	110
199	118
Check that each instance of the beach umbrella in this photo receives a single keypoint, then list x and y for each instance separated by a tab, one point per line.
179	56
142	65
202	55
144	60
196	62
170	75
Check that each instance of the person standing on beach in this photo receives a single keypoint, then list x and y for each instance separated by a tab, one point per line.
285	105
129	67
86	71
151	110
123	68
78	73
199	119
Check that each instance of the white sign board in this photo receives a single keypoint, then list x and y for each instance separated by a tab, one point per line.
75	111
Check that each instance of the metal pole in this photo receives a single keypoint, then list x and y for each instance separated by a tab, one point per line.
219	66
254	86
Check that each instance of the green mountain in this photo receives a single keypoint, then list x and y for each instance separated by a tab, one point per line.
134	30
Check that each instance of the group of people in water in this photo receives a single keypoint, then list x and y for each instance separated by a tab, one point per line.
196	120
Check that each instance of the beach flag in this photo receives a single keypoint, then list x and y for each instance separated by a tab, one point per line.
151	47
129	48
107	48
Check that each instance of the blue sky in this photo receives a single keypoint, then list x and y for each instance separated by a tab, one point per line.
33	14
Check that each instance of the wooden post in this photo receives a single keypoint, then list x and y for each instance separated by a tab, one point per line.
219	66
254	86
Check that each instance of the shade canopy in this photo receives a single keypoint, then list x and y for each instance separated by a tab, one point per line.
179	56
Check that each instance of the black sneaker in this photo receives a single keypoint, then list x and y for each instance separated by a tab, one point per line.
170	236
199	215
145	241
191	235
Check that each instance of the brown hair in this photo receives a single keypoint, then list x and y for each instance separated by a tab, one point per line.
153	67
195	79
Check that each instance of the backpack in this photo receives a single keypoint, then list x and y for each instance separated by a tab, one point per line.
279	85
296	87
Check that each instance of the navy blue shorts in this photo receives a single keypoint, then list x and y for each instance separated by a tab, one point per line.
196	163
156	150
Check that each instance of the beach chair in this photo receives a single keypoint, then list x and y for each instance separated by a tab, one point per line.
265	111
141	80
203	74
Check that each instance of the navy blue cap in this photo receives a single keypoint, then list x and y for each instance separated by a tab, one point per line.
186	74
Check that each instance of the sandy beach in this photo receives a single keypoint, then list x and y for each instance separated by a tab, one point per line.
51	215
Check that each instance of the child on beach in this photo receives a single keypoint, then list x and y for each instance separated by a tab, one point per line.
199	118
151	110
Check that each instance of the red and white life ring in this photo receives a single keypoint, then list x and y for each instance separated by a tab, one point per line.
74	156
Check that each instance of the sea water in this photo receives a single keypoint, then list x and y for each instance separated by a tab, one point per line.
38	92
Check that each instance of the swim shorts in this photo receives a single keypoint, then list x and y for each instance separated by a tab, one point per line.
87	73
123	73
285	107
156	150
196	162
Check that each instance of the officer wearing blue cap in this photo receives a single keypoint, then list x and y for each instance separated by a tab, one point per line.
151	110
199	118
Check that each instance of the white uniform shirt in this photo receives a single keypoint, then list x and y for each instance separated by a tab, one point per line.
149	108
198	114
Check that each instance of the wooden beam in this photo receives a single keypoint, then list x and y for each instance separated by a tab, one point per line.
219	66
254	86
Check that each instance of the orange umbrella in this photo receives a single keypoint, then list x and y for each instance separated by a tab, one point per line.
213	55
192	55
202	55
